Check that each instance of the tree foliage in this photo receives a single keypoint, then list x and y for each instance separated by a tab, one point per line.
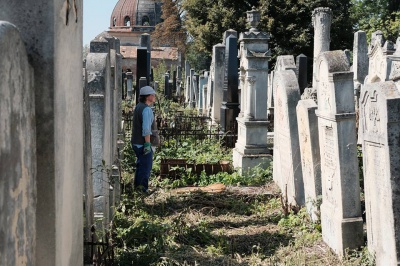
290	24
170	32
206	21
373	15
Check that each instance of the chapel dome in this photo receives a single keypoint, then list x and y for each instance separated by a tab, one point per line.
131	13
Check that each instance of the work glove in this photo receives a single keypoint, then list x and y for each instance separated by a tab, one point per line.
146	148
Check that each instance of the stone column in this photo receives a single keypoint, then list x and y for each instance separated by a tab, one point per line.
242	87
321	19
251	146
341	221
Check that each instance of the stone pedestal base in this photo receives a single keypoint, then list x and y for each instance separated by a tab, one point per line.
251	148
247	161
340	233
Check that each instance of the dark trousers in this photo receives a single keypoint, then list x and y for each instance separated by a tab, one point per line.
144	163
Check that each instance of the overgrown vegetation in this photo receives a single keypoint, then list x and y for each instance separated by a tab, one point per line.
245	224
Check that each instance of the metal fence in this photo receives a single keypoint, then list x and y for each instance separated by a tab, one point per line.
180	127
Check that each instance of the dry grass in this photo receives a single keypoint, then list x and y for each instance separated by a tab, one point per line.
239	226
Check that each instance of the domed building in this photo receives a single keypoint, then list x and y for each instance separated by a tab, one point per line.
132	18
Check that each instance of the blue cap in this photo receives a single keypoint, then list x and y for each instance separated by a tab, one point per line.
147	90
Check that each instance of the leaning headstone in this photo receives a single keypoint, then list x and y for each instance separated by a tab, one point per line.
17	151
341	221
380	117
310	157
287	169
52	33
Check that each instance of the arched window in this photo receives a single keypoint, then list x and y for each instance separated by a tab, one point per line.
145	21
127	21
114	22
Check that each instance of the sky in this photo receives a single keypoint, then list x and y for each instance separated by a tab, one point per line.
96	17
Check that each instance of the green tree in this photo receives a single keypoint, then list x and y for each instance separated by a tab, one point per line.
170	32
290	24
206	21
373	15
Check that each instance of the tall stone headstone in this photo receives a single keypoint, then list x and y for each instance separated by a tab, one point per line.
380	119
342	224
195	90
251	147
218	82
321	20
129	84
287	168
187	68
310	157
99	87
52	32
167	88
200	101
17	151
230	103
142	69
87	167
187	89
301	72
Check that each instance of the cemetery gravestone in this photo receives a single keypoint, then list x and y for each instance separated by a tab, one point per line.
341	221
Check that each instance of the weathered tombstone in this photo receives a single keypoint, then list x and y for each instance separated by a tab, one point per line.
270	96
287	170
167	88
142	82
53	41
191	93
187	89
187	69
87	166
195	90
174	82
98	71
203	79
17	151
321	20
301	72
129	84
142	69
251	147
380	119
342	224
146	42
230	103
310	157
218	82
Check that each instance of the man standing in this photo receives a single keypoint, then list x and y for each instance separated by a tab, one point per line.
143	117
